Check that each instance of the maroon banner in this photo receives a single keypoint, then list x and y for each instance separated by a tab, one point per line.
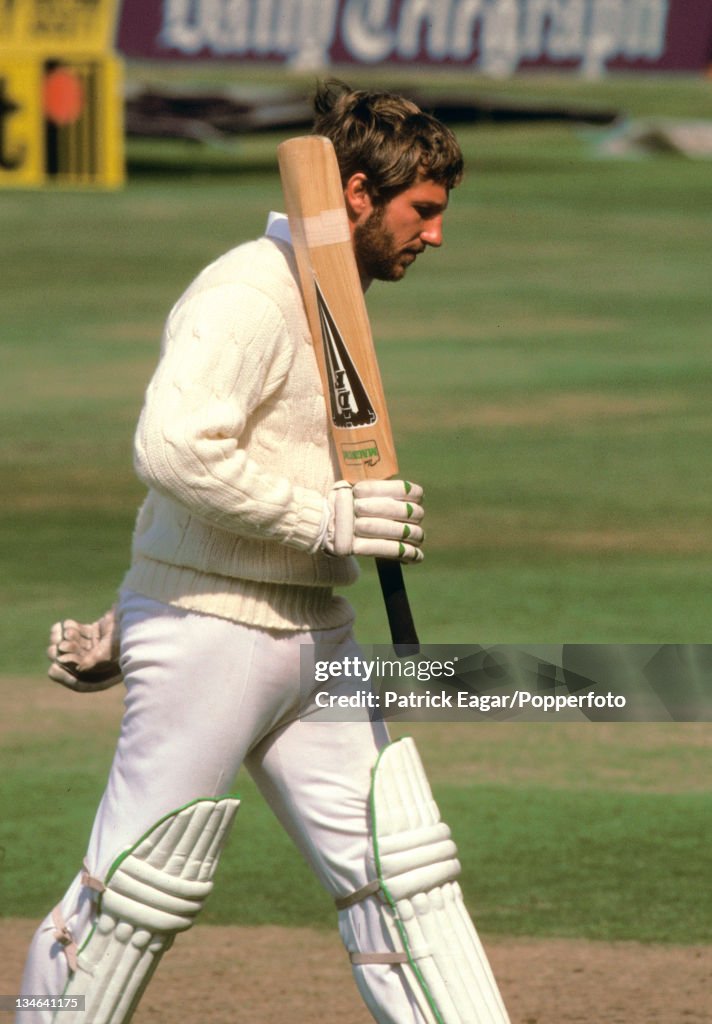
496	37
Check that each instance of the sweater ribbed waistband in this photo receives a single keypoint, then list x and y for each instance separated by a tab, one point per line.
261	604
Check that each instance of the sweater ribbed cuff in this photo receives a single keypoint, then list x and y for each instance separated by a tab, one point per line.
309	526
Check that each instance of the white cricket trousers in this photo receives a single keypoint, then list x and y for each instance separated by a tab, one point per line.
203	696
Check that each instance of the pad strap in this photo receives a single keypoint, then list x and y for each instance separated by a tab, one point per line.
370	889
63	935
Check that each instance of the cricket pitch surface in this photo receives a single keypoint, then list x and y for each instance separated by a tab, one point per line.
225	975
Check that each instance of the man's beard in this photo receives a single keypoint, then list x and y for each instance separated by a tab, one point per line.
376	253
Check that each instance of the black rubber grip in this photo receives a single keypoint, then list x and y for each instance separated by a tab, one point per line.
400	618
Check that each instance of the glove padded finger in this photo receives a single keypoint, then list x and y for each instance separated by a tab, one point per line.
399	551
400	490
388	529
388	508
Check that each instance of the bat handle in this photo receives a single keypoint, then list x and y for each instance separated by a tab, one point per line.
400	618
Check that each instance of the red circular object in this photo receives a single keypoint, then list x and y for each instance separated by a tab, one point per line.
63	96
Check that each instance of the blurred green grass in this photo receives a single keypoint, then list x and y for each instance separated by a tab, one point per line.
548	372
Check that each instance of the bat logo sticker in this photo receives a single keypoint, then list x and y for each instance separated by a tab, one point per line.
361	453
350	404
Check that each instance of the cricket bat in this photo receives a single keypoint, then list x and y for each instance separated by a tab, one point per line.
343	343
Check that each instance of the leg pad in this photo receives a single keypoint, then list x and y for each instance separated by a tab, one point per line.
415	862
152	891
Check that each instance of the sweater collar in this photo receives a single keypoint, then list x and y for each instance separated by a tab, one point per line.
278	227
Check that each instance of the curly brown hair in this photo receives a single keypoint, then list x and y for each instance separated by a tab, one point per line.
387	137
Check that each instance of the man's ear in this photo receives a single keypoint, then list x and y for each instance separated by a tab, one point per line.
357	194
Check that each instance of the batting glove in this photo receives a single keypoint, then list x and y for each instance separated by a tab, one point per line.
375	518
85	657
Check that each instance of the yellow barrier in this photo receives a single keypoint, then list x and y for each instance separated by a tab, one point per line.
61	26
61	94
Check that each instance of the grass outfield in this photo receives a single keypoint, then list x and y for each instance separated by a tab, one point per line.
549	374
570	830
548	371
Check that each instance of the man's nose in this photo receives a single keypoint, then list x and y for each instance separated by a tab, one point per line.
432	233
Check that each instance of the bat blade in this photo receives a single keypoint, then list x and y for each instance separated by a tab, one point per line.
341	334
336	309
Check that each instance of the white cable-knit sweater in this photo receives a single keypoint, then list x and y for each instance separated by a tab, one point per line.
233	444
